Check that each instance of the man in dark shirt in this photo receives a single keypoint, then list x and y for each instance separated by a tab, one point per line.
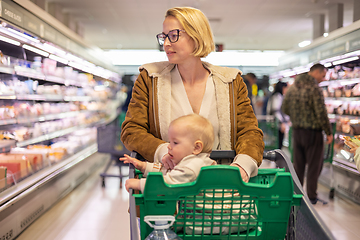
304	103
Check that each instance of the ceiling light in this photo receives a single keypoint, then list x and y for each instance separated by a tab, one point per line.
328	64
326	34
8	40
304	43
345	60
35	50
59	59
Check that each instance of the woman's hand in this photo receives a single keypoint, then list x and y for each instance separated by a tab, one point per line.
167	162
133	184
351	145
244	175
137	163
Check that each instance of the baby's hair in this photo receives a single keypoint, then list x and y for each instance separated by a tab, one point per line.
200	128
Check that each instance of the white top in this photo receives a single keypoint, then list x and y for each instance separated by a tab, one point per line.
180	104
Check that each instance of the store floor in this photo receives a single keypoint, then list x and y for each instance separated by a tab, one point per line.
91	212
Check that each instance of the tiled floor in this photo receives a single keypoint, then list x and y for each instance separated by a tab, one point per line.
94	213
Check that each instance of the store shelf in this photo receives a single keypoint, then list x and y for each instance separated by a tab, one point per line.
343	99
24	202
49	98
7	70
50	136
342	82
31	73
6	145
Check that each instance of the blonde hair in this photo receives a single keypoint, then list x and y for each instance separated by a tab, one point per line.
199	128
197	26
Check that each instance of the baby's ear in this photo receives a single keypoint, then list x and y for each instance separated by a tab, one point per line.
198	147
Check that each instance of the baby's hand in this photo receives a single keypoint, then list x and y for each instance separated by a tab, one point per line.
133	184
167	163
137	163
243	173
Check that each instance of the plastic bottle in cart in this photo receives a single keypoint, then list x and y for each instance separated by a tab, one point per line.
161	228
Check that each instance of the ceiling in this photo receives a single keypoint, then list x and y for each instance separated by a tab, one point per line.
237	24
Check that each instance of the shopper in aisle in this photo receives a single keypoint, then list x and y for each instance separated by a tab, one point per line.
274	109
304	103
183	85
191	139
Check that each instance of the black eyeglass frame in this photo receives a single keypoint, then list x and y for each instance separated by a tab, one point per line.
167	36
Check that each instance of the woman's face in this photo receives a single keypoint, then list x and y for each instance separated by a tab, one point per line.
177	52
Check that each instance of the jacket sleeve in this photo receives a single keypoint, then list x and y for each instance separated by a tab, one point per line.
249	137
136	134
320	111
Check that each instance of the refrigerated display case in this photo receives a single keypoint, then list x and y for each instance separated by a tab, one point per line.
53	95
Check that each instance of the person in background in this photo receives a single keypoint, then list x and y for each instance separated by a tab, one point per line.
274	109
304	103
191	139
250	79
183	85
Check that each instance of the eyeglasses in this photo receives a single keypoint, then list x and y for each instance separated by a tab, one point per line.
173	36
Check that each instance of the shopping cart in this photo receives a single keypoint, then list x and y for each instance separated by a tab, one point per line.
328	157
270	127
218	205
108	141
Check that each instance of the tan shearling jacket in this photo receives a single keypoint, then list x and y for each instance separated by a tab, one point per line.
149	112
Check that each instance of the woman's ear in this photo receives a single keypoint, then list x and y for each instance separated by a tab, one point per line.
198	147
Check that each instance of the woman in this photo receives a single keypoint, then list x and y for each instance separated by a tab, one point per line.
184	85
274	108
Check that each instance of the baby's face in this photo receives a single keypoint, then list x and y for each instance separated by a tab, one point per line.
181	143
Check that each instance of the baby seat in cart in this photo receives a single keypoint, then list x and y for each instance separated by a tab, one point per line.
219	205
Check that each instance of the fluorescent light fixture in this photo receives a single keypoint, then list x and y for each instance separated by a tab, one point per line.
304	43
326	34
53	49
73	58
7	32
8	40
328	64
300	70
345	60
35	50
24	35
59	59
350	54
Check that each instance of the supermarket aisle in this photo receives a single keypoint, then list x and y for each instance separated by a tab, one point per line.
89	212
93	213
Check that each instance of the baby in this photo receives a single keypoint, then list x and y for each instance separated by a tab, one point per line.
191	139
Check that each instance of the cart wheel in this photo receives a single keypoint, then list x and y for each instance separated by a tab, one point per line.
103	182
332	193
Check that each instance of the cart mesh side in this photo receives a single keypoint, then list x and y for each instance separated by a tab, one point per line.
108	139
219	205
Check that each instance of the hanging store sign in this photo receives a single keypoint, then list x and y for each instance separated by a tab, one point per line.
11	14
